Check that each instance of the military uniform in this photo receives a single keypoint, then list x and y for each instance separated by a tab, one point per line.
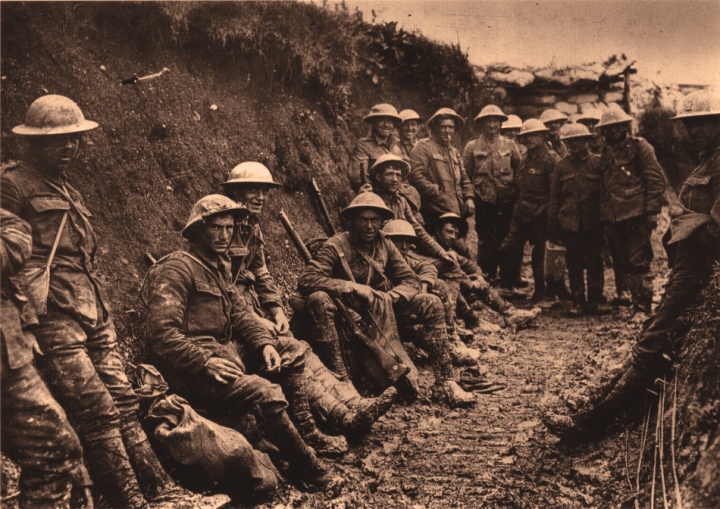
529	221
574	217
558	146
81	363
407	190
633	187
491	166
439	176
35	430
366	152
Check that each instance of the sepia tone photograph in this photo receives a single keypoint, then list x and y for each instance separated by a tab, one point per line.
354	254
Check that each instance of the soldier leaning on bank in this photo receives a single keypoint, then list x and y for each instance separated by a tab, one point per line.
35	431
696	241
633	188
491	161
81	361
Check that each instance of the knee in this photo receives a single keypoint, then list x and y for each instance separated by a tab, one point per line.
321	303
428	308
293	352
271	400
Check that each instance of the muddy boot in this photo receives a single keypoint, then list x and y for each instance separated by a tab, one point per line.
155	483
327	347
519	318
299	409
450	393
460	354
304	463
113	474
623	298
358	422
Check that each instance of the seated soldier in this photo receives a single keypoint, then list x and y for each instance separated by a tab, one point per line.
467	278
211	349
250	183
367	272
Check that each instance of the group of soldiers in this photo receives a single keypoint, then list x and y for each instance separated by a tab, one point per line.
401	270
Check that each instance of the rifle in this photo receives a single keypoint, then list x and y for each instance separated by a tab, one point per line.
329	228
391	365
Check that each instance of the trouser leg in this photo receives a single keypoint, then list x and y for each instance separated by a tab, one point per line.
575	265
538	235
441	290
593	261
616	238
37	435
640	256
326	342
511	252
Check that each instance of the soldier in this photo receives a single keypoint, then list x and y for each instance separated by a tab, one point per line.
491	161
81	361
250	183
696	239
590	118
35	430
383	119
511	127
408	140
467	279
633	187
529	222
438	173
554	120
365	269
213	351
574	218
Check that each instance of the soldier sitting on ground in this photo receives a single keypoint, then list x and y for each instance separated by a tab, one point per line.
250	183
212	350
366	271
466	278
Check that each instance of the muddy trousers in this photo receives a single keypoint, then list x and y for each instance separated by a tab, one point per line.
492	222
84	370
511	251
37	436
632	254
425	309
584	255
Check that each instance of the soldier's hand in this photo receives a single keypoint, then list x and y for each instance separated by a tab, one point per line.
363	292
271	358
450	257
222	370
469	207
282	325
365	188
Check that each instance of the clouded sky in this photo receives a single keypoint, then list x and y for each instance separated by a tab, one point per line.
672	41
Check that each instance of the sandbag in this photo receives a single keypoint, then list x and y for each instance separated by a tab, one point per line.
222	456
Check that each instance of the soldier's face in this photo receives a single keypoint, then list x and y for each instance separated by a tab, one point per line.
615	132
402	243
448	234
532	140
444	131
216	233
704	132
252	196
491	126
409	130
577	146
554	126
510	133
589	123
389	179
383	126
56	152
366	224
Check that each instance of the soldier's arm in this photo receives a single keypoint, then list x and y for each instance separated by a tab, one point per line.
265	285
468	191
11	199
420	158
405	282
425	270
169	286
653	177
319	274
515	157
246	328
16	245
468	159
426	243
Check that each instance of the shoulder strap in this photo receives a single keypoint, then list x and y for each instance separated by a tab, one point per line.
343	261
57	240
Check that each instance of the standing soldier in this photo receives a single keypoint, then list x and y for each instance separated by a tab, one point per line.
213	351
696	240
529	222
574	217
81	361
590	118
408	140
383	119
491	161
633	187
35	431
554	120
438	173
510	129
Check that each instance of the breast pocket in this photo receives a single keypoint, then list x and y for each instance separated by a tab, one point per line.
442	173
697	194
206	310
504	167
45	220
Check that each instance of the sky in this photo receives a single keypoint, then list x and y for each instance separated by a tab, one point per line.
672	41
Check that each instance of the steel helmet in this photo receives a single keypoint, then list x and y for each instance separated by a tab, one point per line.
251	172
533	125
368	200
446	112
212	205
451	217
399	228
590	116
490	111
53	114
406	115
385	160
570	131
552	115
512	122
383	110
702	103
612	116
